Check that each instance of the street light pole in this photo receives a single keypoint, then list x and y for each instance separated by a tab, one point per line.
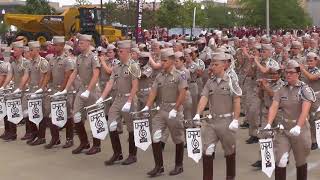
268	17
194	20
101	18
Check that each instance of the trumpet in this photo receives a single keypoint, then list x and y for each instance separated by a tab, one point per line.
197	122
270	132
150	110
93	105
62	95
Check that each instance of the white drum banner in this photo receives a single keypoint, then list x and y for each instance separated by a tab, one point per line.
98	123
14	110
267	156
59	113
142	135
3	111
194	143
35	112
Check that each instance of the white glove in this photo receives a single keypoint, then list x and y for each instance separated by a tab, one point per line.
268	126
146	108
60	93
126	107
172	114
85	94
295	130
234	125
100	100
18	90
1	88
196	117
39	91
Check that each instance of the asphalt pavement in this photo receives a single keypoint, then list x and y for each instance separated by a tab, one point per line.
20	161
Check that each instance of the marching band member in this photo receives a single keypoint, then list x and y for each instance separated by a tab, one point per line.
171	87
39	68
295	99
6	74
61	67
311	75
220	88
88	69
124	81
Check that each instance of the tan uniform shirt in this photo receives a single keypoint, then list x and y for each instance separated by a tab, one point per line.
38	66
104	76
291	98
5	68
145	81
20	68
85	64
122	78
58	66
299	58
192	68
167	85
218	92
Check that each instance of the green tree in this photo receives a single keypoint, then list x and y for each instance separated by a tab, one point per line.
283	14
168	14
3	28
36	7
186	14
221	16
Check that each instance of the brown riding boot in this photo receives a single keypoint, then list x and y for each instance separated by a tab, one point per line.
179	160
117	150
28	134
231	166
41	133
132	158
280	173
69	133
33	132
96	147
82	134
6	128
54	130
302	172
158	159
207	166
13	131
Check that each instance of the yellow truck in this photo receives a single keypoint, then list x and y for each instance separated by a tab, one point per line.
83	19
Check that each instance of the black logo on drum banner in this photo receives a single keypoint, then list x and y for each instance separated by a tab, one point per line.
142	132
59	112
266	146
1	105
98	122
14	109
194	141
35	105
318	125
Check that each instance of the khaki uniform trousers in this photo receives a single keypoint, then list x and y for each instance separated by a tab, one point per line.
253	103
115	114
161	122
215	130
80	103
300	145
